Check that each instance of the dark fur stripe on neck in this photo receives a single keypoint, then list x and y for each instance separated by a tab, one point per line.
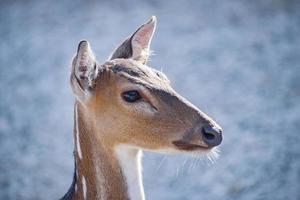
69	195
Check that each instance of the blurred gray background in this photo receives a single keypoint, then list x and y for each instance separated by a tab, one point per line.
239	61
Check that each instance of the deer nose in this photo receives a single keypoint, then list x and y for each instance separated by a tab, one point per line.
211	135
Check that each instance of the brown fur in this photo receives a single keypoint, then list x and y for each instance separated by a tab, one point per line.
97	154
162	120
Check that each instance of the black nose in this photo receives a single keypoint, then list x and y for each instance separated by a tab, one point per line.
211	135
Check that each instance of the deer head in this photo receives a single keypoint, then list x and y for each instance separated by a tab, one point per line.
122	106
127	102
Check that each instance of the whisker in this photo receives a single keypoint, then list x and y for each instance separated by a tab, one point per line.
184	164
177	172
212	156
161	163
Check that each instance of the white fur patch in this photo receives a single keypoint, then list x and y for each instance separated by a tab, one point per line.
84	187
78	148
130	161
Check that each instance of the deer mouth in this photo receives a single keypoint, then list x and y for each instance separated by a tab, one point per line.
182	145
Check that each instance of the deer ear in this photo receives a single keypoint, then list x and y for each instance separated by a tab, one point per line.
83	68
137	46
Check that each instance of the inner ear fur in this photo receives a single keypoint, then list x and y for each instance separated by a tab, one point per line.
137	46
84	69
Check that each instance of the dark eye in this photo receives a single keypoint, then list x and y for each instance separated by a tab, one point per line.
131	96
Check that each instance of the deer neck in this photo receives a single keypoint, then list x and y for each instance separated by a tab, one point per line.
104	171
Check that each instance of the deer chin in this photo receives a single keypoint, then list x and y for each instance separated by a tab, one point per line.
186	146
196	150
208	155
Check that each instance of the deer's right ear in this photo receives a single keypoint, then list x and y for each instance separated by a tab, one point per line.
83	70
137	47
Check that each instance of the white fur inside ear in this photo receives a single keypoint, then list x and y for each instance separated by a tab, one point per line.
141	40
85	60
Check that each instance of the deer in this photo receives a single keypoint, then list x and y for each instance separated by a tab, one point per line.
123	107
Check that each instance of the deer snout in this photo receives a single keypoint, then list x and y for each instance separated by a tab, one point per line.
211	135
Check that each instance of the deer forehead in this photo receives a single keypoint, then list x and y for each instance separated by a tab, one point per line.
138	73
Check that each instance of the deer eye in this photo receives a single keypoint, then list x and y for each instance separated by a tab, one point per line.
131	96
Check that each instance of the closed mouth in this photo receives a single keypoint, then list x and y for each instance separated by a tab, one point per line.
182	145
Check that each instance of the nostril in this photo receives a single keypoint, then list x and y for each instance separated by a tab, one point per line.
208	136
211	135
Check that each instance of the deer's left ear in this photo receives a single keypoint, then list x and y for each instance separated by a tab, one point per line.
83	70
137	46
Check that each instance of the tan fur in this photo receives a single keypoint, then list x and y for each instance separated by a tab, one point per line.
161	121
98	161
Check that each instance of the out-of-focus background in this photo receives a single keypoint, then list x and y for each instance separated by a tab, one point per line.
239	61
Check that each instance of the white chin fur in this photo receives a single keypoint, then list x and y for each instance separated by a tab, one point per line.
210	156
